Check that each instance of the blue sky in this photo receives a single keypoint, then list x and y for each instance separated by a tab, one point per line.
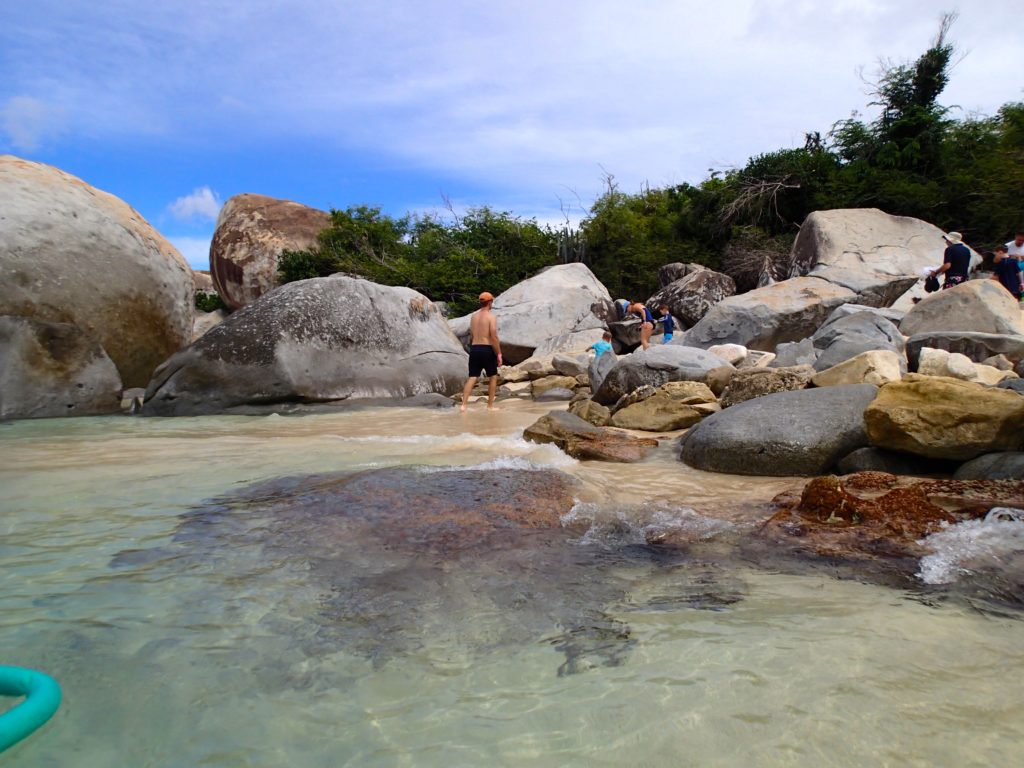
524	106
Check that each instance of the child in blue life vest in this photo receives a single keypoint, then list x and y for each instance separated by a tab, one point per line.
669	323
602	346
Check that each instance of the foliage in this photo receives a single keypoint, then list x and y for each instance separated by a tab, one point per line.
209	302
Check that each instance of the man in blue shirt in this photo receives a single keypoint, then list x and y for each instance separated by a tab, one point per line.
1007	271
956	260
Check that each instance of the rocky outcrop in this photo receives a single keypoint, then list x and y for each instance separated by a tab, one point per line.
757	382
977	306
787	433
977	346
849	336
584	441
876	367
70	253
654	367
251	233
331	338
945	418
564	299
53	370
875	255
689	298
766	317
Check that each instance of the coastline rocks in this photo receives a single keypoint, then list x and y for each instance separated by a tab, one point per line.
893	462
977	346
939	362
1007	465
540	386
875	255
71	253
978	306
877	367
52	370
584	441
324	339
945	418
658	413
689	298
559	300
787	433
654	366
594	413
568	365
752	383
766	317
847	337
251	232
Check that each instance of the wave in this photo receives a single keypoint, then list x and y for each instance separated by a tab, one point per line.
641	524
961	549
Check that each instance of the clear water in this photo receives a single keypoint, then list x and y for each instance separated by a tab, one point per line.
221	641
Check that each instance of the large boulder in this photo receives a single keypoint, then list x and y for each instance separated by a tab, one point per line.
876	255
564	299
752	383
658	413
1008	465
977	346
330	338
654	366
766	317
894	316
71	253
787	433
945	418
978	306
876	366
849	336
251	233
600	367
677	270
52	370
689	298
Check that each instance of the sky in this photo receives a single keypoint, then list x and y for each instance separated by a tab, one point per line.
526	106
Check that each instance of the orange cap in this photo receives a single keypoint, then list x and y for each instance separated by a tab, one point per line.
485	296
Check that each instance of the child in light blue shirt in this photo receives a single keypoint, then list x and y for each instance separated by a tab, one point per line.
605	345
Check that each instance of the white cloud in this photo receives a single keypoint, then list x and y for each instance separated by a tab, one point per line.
27	123
196	250
202	203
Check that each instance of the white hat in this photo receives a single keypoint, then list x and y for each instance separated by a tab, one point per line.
953	237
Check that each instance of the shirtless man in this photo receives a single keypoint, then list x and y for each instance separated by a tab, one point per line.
484	351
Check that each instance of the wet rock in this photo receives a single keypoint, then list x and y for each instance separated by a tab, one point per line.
752	383
659	413
554	394
875	367
540	386
655	366
893	462
849	336
977	306
428	400
584	441
786	433
689	298
1007	465
945	418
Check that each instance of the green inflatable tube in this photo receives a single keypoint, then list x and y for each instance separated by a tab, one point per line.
42	697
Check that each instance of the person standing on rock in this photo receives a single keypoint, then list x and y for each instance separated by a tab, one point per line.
956	261
669	321
484	351
1007	271
646	323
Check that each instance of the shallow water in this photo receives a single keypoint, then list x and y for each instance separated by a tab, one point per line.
190	632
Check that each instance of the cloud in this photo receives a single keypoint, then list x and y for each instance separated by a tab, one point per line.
27	123
196	250
202	203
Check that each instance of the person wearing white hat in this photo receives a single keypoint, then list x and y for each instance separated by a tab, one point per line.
956	260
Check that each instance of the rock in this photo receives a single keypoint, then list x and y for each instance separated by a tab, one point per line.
977	346
1007	465
734	354
330	338
1001	362
540	386
512	374
53	370
1016	385
251	233
757	359
655	366
638	395
978	306
875	255
689	392
591	412
875	367
576	343
202	282
766	317
895	463
204	321
554	394
792	353
584	441
70	253
659	413
599	368
428	400
625	333
676	271
758	382
718	379
568	365
939	362
564	299
894	316
848	336
945	418
803	432
689	298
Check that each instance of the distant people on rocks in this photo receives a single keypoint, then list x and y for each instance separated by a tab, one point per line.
1008	271
602	346
1016	248
668	322
484	351
646	323
956	261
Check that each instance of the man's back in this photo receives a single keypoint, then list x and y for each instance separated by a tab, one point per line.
482	325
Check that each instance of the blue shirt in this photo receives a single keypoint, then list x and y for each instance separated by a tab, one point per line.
600	347
670	323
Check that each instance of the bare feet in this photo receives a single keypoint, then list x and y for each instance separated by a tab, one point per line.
493	408
462	408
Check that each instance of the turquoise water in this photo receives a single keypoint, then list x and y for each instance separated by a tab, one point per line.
188	639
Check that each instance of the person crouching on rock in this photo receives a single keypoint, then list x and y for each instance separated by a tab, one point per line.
484	350
669	322
956	261
646	323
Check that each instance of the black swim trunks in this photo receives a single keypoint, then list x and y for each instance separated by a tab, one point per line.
482	358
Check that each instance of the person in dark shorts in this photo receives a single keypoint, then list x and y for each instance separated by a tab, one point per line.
956	260
1007	271
484	351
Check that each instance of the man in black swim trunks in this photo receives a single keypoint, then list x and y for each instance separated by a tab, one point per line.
956	261
484	350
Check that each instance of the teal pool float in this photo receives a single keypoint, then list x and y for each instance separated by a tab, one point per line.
42	697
